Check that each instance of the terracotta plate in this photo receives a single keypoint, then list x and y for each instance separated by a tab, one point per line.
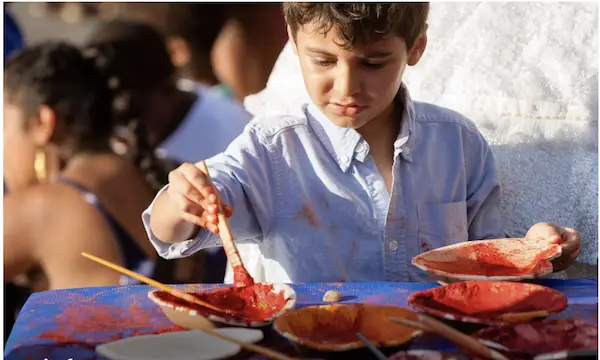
544	336
334	327
502	259
191	318
485	302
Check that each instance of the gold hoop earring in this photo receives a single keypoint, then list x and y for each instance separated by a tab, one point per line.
40	165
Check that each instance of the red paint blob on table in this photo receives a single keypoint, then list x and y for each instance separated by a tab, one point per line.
544	336
253	303
490	299
92	323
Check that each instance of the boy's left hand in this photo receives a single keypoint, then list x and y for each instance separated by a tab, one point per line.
568	238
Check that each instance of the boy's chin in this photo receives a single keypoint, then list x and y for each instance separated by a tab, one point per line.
347	122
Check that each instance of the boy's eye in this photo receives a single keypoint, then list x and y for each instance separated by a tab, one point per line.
372	65
323	62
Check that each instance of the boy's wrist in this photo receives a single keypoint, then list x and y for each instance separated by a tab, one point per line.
166	222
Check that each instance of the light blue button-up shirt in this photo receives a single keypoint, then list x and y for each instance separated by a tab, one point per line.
310	196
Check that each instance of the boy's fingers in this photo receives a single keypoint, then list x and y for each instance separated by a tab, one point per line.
179	184
211	219
193	219
193	175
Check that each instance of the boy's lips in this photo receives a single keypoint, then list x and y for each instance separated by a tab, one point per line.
347	110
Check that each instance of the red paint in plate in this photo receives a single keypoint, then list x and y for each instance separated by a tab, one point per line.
502	259
252	306
483	302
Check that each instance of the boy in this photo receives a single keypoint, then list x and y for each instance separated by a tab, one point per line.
361	183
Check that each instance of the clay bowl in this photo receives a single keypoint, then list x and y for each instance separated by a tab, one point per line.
193	317
422	355
331	329
499	260
469	302
541	337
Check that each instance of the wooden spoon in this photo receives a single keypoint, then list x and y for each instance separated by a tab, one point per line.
241	275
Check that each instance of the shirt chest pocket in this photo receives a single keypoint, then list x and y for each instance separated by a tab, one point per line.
441	224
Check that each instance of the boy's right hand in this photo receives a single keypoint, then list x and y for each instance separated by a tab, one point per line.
195	199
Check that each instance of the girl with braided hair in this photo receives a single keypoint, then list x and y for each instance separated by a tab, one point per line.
78	166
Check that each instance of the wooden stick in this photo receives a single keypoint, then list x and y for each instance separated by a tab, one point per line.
410	323
175	292
456	337
249	346
523	316
224	231
418	325
378	354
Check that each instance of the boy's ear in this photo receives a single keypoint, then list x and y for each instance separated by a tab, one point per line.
418	48
292	40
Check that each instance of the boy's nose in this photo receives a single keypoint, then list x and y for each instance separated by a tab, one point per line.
347	81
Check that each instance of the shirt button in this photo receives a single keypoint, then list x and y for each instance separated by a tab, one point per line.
406	151
345	159
393	245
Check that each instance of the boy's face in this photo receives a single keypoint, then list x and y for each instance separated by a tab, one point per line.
353	86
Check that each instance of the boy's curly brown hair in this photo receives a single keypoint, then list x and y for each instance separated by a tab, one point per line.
360	23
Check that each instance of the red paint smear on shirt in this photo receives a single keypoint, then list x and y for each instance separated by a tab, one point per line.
248	304
308	213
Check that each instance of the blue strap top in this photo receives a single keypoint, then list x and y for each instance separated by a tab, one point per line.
131	253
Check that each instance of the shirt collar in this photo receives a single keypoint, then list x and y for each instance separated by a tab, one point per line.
344	144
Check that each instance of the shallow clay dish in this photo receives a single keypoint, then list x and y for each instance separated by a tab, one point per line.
502	259
422	355
179	345
541	337
333	328
190	316
484	302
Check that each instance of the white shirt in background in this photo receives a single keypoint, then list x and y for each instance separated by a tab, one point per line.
212	123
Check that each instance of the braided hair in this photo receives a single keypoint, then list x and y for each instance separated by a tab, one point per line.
93	104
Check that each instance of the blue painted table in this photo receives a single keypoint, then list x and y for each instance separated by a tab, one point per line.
67	324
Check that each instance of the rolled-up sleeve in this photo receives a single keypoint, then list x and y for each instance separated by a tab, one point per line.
243	176
483	191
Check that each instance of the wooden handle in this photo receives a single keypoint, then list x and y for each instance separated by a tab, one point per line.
224	231
523	316
248	346
410	323
459	338
426	323
175	292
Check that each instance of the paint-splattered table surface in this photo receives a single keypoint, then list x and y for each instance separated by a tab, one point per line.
67	324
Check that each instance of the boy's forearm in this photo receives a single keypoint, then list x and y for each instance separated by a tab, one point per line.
167	225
